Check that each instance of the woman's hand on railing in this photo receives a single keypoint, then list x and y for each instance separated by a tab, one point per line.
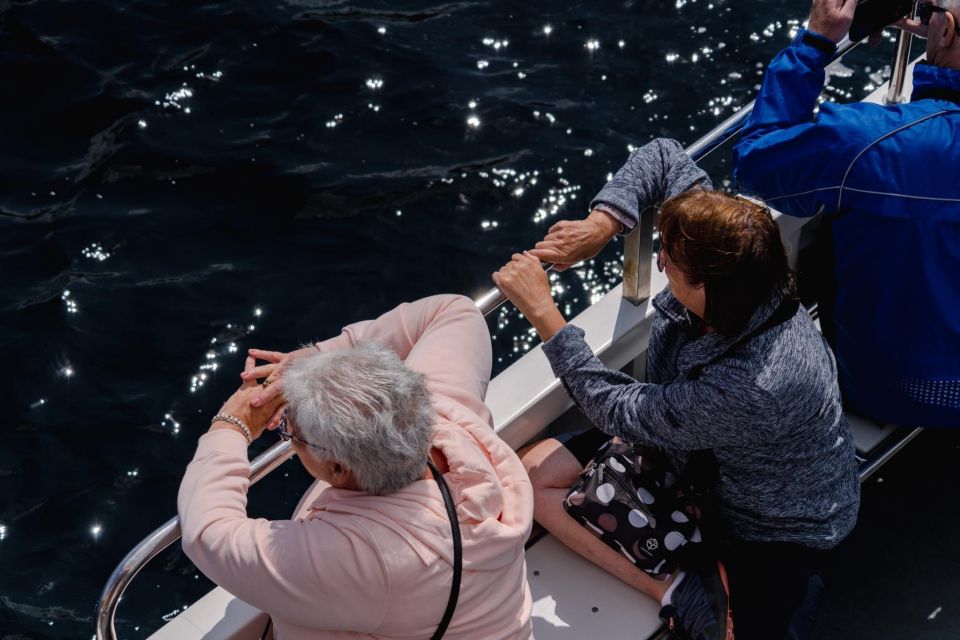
527	286
571	241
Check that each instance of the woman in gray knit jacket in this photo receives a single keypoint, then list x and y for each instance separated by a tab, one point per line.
735	366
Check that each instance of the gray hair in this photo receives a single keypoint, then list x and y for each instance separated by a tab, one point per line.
953	6
367	410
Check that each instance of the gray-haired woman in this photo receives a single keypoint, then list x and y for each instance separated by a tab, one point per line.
368	552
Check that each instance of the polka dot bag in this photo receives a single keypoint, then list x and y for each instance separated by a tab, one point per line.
629	497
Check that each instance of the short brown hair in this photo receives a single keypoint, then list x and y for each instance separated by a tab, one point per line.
732	246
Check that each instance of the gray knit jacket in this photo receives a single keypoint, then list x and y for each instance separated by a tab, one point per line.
767	404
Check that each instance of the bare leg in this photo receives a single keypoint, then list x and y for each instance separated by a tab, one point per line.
553	470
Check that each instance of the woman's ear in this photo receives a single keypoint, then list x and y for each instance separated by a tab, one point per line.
340	476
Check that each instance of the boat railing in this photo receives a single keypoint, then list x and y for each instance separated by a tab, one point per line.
638	248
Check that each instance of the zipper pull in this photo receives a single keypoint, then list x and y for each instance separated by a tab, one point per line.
600	469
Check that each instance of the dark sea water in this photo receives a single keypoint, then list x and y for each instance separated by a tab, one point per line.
184	180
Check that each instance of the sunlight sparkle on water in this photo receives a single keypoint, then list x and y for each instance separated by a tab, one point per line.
95	252
592	45
547	29
168	419
473	121
96	529
496	44
174	99
70	303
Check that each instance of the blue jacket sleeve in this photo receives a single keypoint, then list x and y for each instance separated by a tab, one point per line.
788	156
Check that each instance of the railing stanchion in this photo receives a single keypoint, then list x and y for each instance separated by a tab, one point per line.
898	71
637	253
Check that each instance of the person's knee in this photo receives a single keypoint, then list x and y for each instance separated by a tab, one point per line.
532	458
549	464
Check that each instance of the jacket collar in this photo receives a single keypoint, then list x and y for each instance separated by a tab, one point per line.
710	345
931	81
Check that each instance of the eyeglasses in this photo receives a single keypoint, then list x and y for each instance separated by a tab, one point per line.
663	263
925	11
283	430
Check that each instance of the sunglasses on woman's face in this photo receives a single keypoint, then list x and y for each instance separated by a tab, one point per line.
925	11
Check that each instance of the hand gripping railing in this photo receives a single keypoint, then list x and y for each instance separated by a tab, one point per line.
639	244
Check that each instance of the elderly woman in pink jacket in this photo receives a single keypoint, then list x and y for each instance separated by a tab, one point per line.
368	552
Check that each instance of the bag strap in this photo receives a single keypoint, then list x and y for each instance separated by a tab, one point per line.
457	552
702	466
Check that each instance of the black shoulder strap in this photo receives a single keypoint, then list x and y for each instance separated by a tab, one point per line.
702	468
457	552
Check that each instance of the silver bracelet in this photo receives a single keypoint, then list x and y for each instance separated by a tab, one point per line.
226	417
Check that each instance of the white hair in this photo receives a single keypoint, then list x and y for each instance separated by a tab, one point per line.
367	410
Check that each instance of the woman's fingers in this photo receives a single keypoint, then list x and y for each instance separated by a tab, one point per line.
263	371
248	366
268	394
274	421
269	356
549	255
529	257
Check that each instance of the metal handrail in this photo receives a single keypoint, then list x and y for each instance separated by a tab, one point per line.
638	273
898	73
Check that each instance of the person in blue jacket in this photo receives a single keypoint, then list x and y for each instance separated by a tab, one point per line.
887	181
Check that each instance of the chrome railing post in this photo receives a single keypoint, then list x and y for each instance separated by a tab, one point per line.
898	73
637	253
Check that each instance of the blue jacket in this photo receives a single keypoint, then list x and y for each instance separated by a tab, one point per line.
887	180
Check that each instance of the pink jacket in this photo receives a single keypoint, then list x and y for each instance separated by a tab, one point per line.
352	565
